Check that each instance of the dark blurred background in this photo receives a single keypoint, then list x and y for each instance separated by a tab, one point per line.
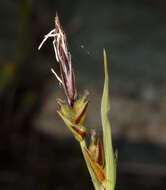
36	149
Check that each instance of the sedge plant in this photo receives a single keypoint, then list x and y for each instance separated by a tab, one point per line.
99	154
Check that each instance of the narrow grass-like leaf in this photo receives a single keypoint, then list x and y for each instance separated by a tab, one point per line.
110	170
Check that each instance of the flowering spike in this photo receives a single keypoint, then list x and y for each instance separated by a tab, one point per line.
74	116
80	108
63	57
96	168
96	149
101	162
78	131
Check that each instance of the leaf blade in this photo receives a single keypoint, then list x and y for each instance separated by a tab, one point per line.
110	170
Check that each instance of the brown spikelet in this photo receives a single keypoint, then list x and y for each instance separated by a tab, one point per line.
97	170
63	57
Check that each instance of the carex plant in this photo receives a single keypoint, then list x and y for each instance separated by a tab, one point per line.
99	155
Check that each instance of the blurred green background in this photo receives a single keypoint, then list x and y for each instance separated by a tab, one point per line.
36	149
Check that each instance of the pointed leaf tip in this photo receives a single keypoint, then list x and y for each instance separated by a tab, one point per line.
105	61
110	169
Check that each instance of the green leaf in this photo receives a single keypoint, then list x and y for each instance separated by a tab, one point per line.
110	169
